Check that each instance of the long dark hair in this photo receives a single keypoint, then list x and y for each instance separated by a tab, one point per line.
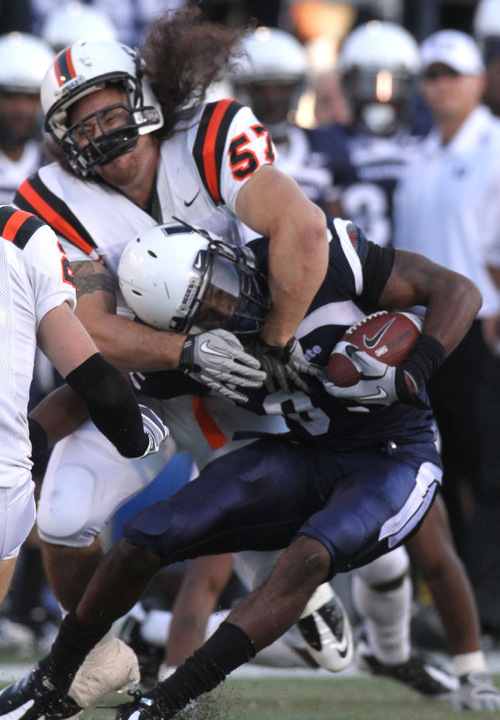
184	54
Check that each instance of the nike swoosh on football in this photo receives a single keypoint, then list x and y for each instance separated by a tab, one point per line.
371	342
205	347
190	202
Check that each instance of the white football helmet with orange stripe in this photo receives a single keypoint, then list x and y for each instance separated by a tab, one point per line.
84	68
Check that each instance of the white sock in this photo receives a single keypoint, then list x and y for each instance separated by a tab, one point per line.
473	662
387	619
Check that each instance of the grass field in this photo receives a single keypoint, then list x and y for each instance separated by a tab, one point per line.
318	698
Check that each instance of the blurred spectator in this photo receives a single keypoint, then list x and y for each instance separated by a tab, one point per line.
24	59
65	24
130	17
330	104
270	78
378	66
487	34
447	208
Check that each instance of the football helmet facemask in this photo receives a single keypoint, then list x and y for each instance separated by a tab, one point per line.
179	278
86	67
379	63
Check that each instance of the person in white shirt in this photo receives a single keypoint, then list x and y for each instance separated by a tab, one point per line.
447	209
24	59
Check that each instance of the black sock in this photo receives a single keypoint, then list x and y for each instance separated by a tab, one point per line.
228	648
72	645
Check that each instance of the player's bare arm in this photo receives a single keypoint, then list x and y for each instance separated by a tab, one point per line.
127	344
452	301
272	204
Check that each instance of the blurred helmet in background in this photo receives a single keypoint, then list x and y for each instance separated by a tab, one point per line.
271	76
74	21
379	63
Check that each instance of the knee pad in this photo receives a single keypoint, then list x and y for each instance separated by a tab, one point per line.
66	510
386	569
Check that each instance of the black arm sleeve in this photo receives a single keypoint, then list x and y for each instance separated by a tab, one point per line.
111	403
376	270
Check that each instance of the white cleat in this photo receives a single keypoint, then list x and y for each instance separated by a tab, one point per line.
325	627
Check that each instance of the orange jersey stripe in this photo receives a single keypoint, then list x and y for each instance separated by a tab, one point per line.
209	162
214	435
14	223
58	223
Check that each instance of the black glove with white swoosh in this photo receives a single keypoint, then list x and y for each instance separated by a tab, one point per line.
217	359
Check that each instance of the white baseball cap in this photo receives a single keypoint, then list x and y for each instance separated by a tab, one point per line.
453	48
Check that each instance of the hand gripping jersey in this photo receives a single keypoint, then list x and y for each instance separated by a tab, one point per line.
35	277
200	172
358	271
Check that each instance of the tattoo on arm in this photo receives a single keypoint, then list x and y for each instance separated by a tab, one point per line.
91	277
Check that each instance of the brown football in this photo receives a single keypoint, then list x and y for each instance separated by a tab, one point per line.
387	336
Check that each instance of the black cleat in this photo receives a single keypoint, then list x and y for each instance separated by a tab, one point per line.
146	707
418	673
35	697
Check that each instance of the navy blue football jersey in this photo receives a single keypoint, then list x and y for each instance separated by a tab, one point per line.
357	273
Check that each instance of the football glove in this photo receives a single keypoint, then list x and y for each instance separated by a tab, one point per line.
217	359
378	385
154	428
476	692
284	366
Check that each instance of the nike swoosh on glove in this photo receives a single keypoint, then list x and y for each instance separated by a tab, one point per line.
284	365
379	383
217	359
154	428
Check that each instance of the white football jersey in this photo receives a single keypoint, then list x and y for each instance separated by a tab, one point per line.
199	174
32	282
